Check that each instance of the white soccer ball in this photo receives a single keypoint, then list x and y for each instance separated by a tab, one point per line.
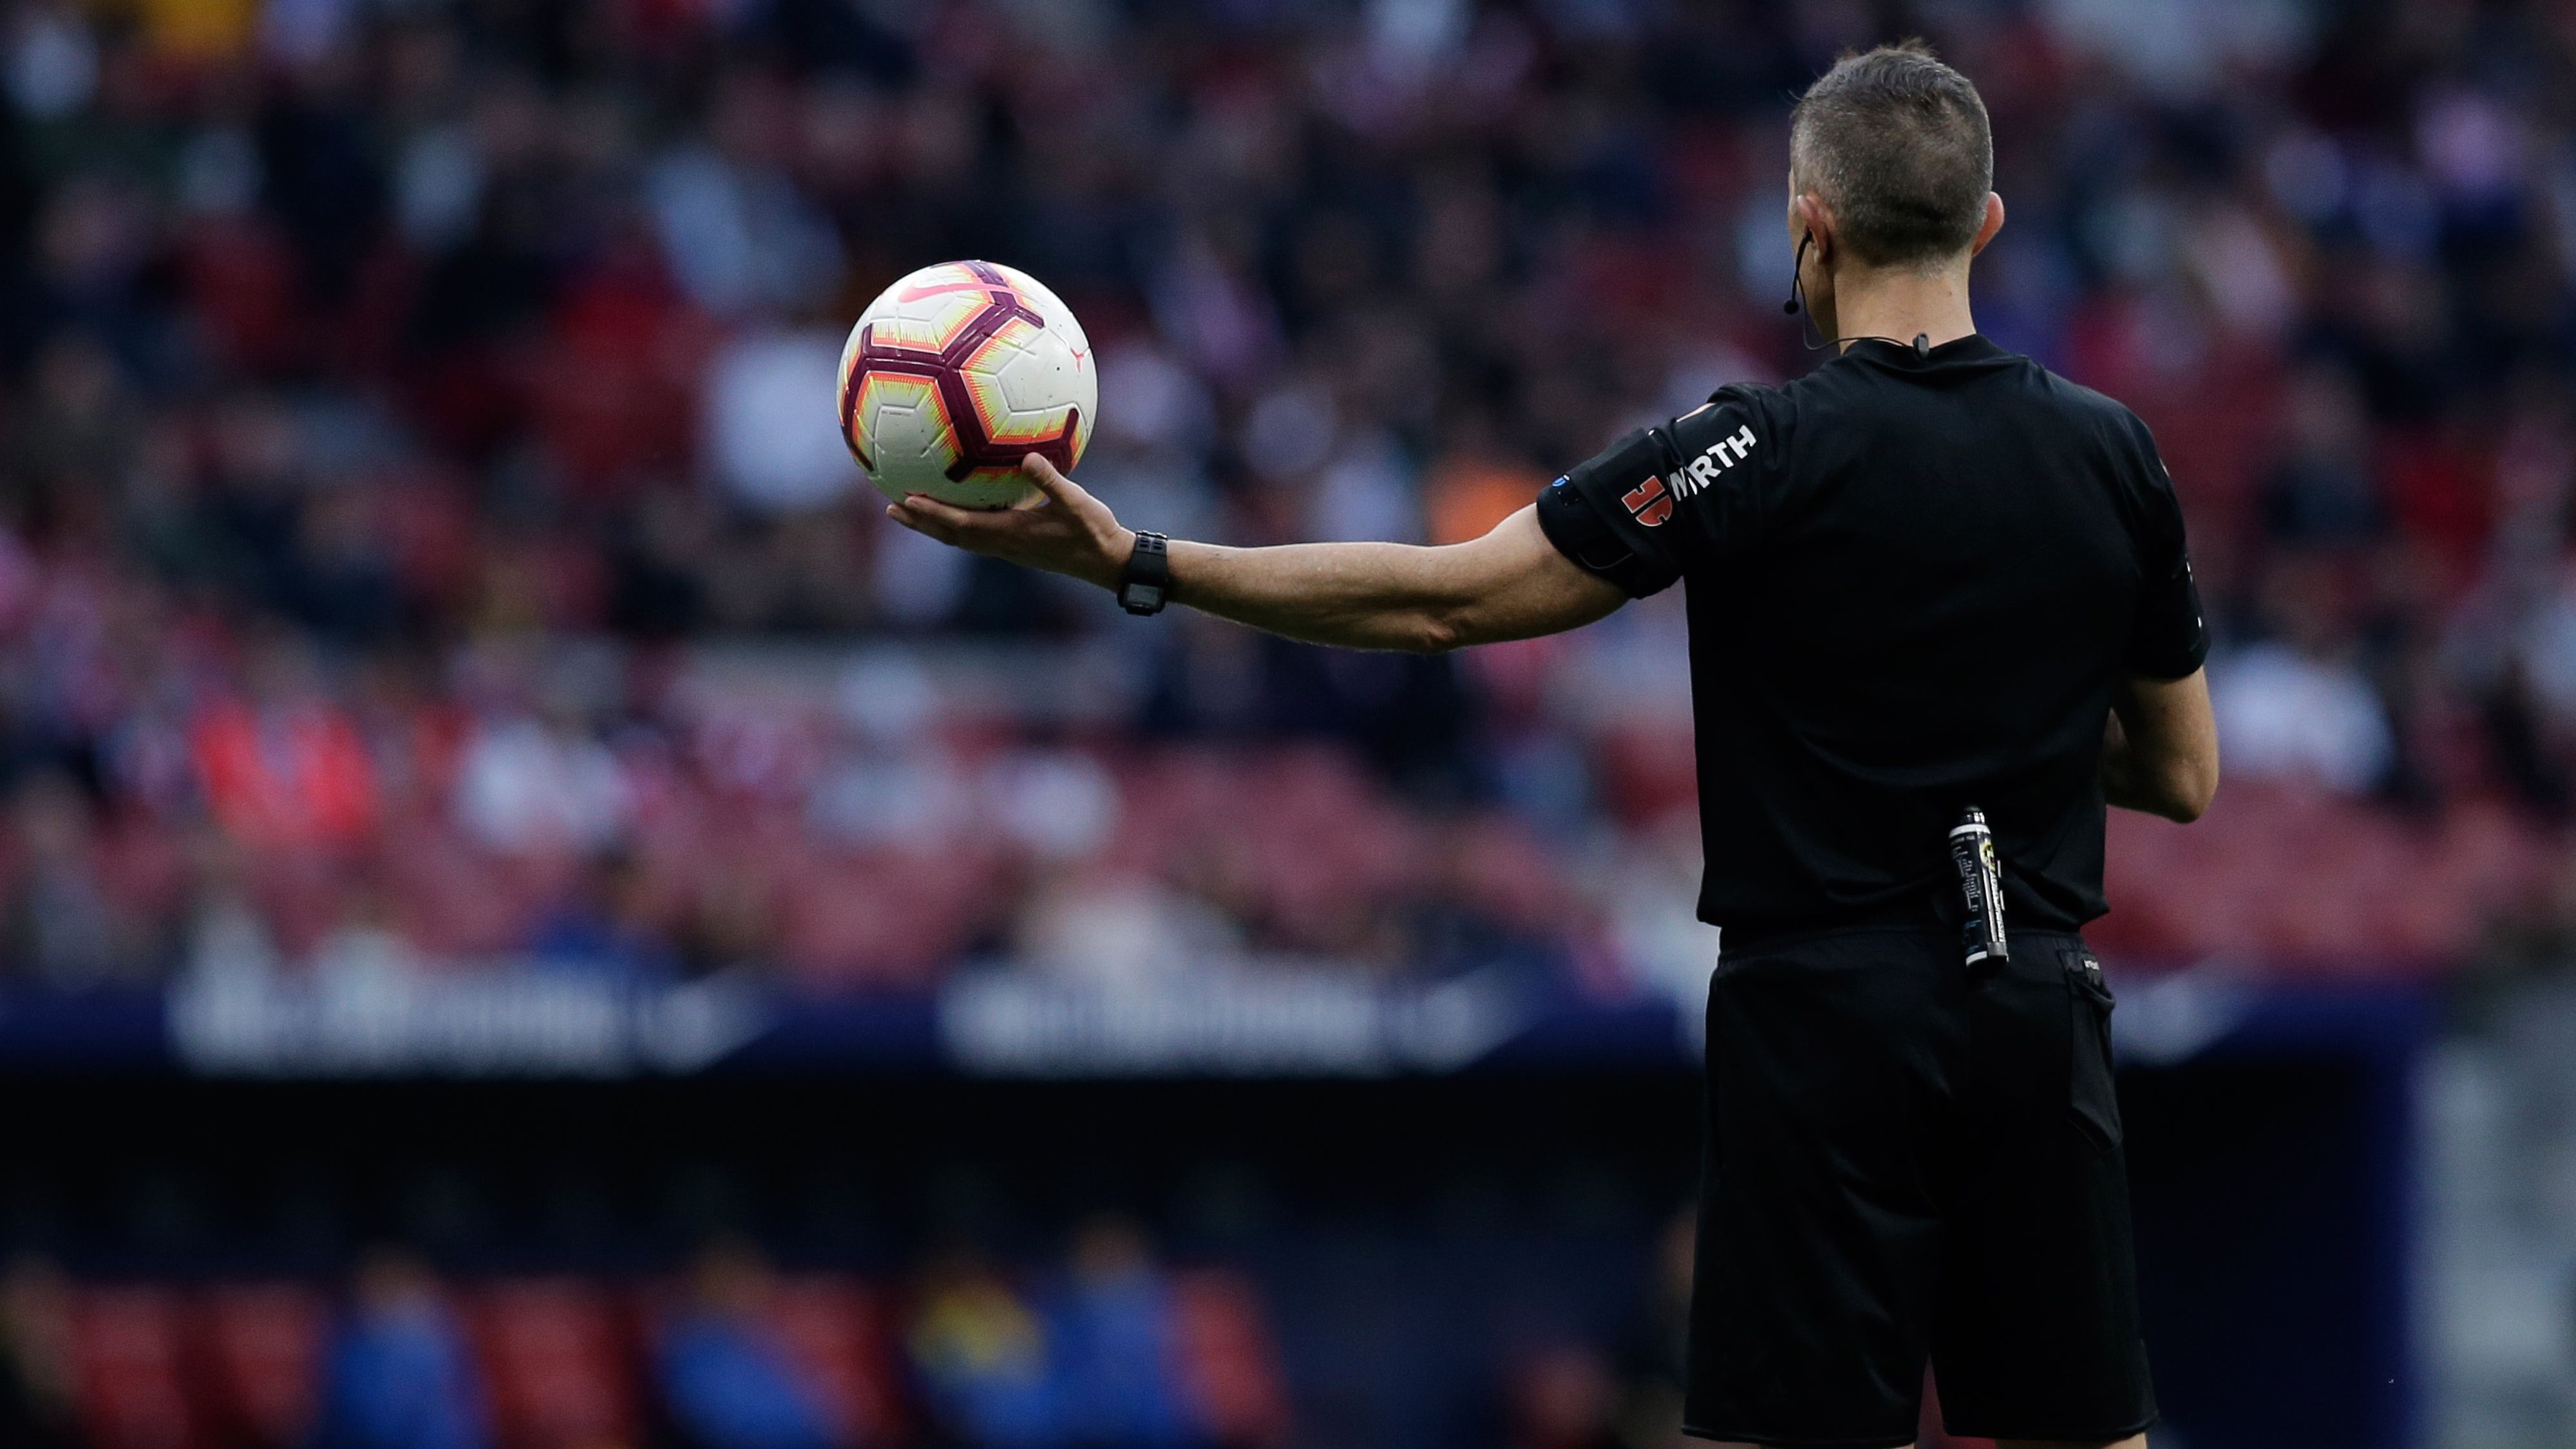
957	372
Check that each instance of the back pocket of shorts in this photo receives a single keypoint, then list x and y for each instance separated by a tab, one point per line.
2092	1099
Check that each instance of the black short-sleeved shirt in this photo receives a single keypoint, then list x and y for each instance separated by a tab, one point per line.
1913	580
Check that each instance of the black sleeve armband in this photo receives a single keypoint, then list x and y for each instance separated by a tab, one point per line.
1573	519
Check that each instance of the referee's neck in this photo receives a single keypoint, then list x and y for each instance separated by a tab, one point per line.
1903	303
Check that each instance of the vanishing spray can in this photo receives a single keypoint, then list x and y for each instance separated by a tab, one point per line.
1981	884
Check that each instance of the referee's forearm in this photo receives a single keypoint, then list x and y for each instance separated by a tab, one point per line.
1350	595
2166	761
2118	772
2129	784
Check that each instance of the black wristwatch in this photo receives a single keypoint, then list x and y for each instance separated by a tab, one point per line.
1147	579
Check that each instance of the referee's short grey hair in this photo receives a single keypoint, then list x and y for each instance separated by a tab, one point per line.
1898	144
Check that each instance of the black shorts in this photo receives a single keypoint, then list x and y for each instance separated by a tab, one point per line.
1904	1164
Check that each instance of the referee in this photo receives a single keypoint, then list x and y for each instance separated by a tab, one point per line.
1929	579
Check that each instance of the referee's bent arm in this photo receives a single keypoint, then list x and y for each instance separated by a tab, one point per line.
2160	749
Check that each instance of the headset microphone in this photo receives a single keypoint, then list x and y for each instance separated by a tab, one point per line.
1790	307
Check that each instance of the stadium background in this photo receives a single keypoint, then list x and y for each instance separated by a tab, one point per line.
523	898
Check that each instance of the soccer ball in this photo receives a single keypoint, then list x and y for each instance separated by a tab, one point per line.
956	373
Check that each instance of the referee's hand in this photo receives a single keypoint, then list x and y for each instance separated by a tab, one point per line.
1060	528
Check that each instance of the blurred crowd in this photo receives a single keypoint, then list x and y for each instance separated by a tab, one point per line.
423	538
1109	1348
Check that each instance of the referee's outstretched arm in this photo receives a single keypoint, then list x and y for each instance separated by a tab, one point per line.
2159	751
1510	584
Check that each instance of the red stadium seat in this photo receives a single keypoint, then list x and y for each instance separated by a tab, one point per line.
881	919
1646	769
140	867
242	276
128	1371
613	383
835	1330
299	893
2309	882
1229	1360
1494	863
261	1349
451	897
1323	841
557	1361
1298	836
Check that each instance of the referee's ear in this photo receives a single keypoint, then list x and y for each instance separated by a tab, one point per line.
1994	222
1814	218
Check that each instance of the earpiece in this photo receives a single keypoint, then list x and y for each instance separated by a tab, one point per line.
1790	307
1921	345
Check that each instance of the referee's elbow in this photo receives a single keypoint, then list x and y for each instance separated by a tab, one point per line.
2188	795
2200	799
1433	632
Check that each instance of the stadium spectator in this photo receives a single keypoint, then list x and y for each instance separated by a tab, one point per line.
2299	706
38	1409
1113	1339
364	950
1122	934
225	936
527	785
2293	716
283	766
60	927
2324	489
759	389
398	1373
606	921
980	1354
728	1383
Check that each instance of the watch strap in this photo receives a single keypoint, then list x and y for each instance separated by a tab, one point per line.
1146	582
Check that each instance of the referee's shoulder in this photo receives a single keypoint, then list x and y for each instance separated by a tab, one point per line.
1733	407
2107	414
2115	437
